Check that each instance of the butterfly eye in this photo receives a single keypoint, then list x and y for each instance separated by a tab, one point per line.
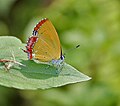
62	57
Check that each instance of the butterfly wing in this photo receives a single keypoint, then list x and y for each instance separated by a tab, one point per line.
47	46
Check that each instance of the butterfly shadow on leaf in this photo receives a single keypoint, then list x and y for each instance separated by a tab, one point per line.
37	71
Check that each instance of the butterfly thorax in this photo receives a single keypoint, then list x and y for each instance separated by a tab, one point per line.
57	62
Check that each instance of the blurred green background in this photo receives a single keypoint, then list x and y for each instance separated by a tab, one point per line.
94	24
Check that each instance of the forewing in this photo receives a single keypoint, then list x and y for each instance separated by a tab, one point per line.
47	46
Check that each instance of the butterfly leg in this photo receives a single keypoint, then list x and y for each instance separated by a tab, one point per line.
59	68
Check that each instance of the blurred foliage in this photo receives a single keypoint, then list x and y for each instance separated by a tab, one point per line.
95	25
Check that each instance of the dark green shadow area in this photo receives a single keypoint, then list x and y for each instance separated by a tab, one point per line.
37	71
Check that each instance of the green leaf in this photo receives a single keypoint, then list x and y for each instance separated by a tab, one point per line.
33	75
11	45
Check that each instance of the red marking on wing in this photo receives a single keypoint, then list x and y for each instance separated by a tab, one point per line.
30	44
32	40
40	24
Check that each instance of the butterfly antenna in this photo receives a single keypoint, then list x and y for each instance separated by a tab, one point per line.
77	46
71	49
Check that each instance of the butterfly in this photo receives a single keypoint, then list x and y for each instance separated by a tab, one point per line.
44	44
